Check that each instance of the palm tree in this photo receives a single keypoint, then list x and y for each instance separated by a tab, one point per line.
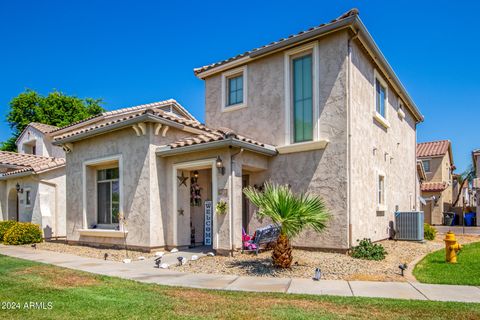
463	179
291	212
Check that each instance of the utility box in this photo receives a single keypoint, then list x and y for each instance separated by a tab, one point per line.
409	225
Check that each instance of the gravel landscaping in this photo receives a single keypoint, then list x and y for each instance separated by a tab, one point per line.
333	265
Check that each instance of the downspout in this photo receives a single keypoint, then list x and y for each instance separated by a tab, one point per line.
349	138
232	230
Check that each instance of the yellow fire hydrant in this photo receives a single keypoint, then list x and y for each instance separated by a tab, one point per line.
451	247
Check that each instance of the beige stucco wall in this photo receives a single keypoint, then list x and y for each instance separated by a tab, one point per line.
47	195
376	150
321	172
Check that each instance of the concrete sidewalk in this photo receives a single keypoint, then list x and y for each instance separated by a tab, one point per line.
144	271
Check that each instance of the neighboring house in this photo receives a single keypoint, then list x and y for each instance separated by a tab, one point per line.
476	183
321	110
437	189
32	181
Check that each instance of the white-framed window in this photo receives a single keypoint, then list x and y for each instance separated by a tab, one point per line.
28	197
380	89
381	192
426	165
234	89
301	94
108	196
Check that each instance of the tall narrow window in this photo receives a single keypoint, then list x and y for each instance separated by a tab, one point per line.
235	90
108	196
381	190
302	98
381	97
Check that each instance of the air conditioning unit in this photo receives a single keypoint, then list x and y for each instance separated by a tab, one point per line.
409	226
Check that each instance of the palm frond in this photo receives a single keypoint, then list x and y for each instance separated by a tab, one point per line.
292	212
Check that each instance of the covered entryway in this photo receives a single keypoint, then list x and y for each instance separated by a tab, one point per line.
194	202
12	209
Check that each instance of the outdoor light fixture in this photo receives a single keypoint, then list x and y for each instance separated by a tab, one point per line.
402	268
19	189
220	167
195	174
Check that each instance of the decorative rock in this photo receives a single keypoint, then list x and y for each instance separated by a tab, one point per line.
194	257
174	250
211	254
164	266
159	254
127	260
141	258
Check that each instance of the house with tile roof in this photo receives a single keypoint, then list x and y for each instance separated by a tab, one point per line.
437	189
321	111
476	184
32	181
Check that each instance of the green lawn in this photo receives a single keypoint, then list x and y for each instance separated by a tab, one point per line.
79	295
434	269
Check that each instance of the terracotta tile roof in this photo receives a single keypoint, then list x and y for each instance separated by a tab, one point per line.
28	162
114	113
433	148
433	186
128	116
214	135
44	128
347	14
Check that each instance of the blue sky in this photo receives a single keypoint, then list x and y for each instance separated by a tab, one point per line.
136	52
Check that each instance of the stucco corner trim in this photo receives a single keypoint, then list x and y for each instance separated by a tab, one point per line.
303	146
102	233
380	119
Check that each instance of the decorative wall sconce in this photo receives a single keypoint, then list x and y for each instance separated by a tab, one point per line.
195	174
19	189
220	167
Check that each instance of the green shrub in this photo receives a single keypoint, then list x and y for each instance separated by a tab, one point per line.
23	233
368	251
429	232
4	226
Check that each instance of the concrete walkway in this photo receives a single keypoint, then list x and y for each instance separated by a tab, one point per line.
144	271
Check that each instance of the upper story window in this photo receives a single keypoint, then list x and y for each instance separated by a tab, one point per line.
426	165
234	89
302	89
108	196
380	98
301	94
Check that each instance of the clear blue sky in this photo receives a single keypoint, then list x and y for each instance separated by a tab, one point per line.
144	51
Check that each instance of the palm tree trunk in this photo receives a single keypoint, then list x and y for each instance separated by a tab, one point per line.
282	253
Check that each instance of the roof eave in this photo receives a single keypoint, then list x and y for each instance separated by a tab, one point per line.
169	151
17	175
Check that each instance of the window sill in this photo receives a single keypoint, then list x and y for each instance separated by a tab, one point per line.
381	208
102	233
234	107
380	119
303	146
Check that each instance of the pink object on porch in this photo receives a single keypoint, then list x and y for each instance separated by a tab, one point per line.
247	241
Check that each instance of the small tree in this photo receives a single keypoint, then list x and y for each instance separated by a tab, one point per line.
291	212
55	109
463	179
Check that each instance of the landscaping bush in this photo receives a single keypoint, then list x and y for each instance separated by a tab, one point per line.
4	226
429	232
23	233
368	251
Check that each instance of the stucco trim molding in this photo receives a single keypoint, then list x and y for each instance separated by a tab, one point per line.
102	233
303	146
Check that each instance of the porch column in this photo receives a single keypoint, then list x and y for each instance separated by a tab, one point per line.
236	202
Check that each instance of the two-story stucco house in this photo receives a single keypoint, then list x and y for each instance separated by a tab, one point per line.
476	183
321	110
32	181
437	189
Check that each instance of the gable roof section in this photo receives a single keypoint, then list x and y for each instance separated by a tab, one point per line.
21	163
180	112
349	20
435	149
43	128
